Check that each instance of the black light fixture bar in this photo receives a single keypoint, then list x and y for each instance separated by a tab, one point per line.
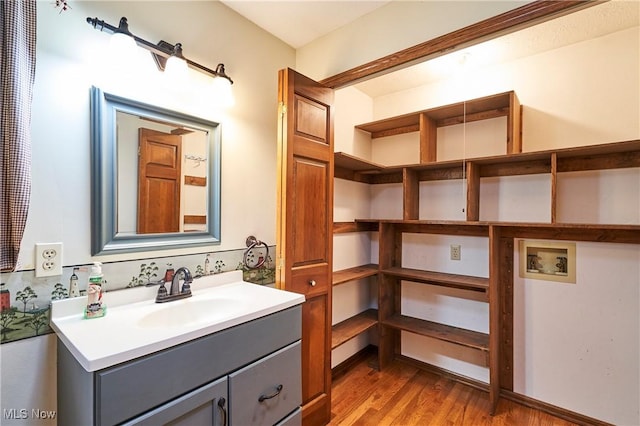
160	51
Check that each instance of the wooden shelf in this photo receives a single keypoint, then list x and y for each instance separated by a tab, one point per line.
623	154
355	273
350	328
464	282
362	226
476	109
459	336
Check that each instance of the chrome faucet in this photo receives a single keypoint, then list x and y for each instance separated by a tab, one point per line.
175	292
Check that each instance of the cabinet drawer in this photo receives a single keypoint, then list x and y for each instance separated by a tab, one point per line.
310	280
293	419
266	391
203	406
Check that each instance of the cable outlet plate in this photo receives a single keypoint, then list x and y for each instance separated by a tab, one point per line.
455	251
48	261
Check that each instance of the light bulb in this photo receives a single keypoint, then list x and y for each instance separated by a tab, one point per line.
222	94
122	46
176	68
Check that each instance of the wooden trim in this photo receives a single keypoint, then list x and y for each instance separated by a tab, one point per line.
195	180
623	234
346	227
521	17
193	219
476	384
494	319
554	187
428	139
514	126
559	412
504	307
410	195
473	191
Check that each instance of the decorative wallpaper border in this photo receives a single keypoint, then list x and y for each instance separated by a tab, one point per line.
25	301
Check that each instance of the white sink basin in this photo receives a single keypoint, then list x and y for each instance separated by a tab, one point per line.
136	326
187	312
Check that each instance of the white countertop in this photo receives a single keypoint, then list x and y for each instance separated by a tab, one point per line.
136	326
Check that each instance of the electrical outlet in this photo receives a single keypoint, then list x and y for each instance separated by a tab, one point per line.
455	252
48	259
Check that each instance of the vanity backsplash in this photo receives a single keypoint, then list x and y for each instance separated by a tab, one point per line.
25	300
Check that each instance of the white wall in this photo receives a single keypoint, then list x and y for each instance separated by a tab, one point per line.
395	26
574	343
70	57
577	345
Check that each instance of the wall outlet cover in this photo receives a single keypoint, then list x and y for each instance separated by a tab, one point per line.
48	262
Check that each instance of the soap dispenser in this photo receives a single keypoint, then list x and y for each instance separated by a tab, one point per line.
73	284
95	306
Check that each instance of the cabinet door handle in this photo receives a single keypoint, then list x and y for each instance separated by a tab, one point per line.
312	283
223	412
278	390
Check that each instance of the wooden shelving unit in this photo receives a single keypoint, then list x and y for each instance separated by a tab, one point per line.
596	157
497	290
427	121
361	322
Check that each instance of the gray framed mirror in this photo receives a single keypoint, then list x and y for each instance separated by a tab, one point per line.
155	177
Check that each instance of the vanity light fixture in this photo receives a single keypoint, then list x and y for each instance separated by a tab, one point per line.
163	53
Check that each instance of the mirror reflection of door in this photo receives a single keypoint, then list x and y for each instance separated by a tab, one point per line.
158	182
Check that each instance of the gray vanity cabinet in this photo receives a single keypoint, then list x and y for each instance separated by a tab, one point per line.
249	374
207	405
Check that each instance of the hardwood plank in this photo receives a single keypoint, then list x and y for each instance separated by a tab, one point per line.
447	333
351	327
355	273
410	195
473	191
618	160
345	227
351	162
626	234
464	282
405	395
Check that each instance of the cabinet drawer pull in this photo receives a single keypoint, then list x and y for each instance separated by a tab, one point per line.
223	412
312	283
263	397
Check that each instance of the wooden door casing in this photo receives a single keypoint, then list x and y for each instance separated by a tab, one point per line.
304	229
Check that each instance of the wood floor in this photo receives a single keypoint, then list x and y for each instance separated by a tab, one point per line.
405	395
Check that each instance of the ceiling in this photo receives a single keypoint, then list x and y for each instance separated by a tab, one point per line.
298	22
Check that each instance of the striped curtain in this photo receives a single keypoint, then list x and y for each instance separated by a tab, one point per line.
17	71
